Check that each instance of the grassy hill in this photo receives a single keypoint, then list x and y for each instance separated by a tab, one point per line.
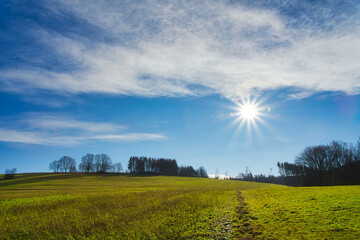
79	206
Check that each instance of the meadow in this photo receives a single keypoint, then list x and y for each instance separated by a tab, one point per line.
80	206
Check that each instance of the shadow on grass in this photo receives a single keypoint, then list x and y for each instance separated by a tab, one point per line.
28	178
37	177
126	174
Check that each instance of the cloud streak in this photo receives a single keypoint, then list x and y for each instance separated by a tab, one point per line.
55	122
53	130
192	49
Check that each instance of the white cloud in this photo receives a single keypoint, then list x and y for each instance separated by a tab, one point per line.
66	131
33	137
57	122
129	137
188	48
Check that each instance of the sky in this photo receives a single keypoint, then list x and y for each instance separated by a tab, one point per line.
169	79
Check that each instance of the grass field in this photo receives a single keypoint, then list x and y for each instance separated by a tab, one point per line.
306	212
78	206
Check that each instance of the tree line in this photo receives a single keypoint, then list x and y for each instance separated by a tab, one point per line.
10	173
163	166
90	163
248	176
335	163
101	163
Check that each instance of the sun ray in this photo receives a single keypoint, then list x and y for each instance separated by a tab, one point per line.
249	113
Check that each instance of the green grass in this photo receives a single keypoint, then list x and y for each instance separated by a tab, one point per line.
306	212
79	206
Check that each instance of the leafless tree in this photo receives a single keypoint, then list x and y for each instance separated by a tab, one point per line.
314	158
103	163
118	167
55	166
64	164
10	173
87	163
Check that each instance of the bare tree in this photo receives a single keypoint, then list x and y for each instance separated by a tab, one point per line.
67	164
103	163
55	166
73	168
97	163
314	158
247	176
357	150
10	173
87	163
118	167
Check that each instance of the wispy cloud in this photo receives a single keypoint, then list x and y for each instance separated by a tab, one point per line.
54	130
35	137
57	122
191	48
129	137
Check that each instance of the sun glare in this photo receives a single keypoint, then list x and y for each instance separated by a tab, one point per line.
248	111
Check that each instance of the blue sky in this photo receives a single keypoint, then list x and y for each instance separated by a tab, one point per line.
164	79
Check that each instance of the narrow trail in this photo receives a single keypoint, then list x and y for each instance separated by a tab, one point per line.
222	228
244	227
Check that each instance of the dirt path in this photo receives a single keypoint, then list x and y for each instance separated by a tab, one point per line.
244	226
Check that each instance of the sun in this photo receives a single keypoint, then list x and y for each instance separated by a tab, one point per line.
249	115
248	111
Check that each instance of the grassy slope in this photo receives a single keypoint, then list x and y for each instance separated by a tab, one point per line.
48	206
306	213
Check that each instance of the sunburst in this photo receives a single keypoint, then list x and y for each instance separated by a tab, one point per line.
248	112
